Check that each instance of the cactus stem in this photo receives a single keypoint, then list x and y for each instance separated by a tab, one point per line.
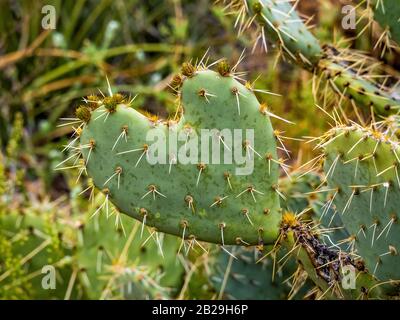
218	201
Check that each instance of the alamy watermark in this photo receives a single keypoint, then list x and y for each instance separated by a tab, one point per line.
348	277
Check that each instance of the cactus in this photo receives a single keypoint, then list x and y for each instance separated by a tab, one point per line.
362	166
387	14
297	188
303	197
282	24
113	263
249	277
113	130
203	201
328	224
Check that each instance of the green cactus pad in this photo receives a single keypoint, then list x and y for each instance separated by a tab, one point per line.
297	188
348	83
211	202
362	164
301	197
387	13
282	24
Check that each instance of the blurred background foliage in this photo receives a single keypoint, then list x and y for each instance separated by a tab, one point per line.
138	45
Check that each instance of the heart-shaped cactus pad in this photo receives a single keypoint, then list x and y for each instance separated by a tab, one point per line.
167	173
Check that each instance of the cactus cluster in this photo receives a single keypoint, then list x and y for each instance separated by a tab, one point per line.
91	259
246	210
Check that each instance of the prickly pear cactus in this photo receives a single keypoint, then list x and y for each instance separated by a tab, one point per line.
297	188
302	197
387	13
128	266
284	26
362	170
280	22
226	203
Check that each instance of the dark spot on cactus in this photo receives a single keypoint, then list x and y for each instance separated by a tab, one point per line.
360	266
364	290
387	107
266	211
